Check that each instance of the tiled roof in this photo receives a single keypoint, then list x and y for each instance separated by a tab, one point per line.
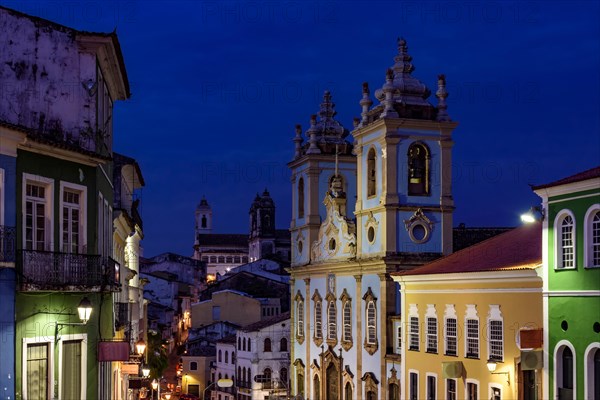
266	322
227	339
520	248
581	176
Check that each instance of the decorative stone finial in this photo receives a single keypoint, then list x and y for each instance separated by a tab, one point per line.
313	148
388	92
298	142
365	102
442	94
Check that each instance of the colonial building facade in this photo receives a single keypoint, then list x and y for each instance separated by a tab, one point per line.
571	254
343	299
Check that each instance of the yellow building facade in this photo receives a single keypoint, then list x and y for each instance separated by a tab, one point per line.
478	306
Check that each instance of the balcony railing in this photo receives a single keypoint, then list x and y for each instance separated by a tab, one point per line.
46	270
8	236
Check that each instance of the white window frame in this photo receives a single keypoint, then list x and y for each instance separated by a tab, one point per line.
494	315
471	314
398	341
434	376
82	190
455	388
588	252
371	326
558	261
319	319
83	369
38	340
48	184
450	313
300	322
347	322
413	313
558	349
431	314
416	372
331	320
491	388
476	382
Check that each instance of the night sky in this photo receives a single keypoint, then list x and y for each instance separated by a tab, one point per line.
219	86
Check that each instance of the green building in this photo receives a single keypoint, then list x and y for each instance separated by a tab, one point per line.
58	125
571	257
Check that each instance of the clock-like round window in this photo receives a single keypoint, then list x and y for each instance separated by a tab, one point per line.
419	232
371	234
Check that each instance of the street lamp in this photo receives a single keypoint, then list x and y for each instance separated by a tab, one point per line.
156	386
531	216
491	366
140	346
84	311
145	371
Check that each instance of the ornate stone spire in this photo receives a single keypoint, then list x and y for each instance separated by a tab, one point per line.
442	94
402	94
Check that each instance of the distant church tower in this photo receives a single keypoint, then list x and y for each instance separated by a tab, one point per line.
313	169
345	311
203	217
262	227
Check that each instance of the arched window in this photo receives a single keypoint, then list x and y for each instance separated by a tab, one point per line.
300	383
244	344
233	357
221	259
300	313
318	319
220	356
371	173
418	170
591	237
283	344
267	345
567	369
371	323
283	376
239	343
204	221
249	344
565	232
347	322
239	383
394	391
348	391
267	373
226	357
595	375
331	321
316	388
193	366
301	198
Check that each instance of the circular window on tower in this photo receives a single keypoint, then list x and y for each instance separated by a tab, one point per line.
419	232
371	234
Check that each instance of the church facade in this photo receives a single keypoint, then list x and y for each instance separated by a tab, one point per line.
345	307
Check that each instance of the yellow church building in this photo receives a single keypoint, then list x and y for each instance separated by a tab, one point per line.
471	322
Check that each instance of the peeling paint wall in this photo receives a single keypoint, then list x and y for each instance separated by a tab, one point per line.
41	79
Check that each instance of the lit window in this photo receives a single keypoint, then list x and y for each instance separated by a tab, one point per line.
418	170
371	323
347	322
496	340
331	321
318	320
567	259
300	323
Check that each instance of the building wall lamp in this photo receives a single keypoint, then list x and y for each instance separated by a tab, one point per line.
491	366
84	310
535	213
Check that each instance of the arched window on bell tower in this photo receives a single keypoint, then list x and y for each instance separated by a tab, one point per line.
371	173
203	224
418	170
301	198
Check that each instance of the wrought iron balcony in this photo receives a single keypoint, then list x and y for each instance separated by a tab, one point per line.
122	315
51	271
8	236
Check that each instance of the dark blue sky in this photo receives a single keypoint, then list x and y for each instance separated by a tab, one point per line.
218	87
